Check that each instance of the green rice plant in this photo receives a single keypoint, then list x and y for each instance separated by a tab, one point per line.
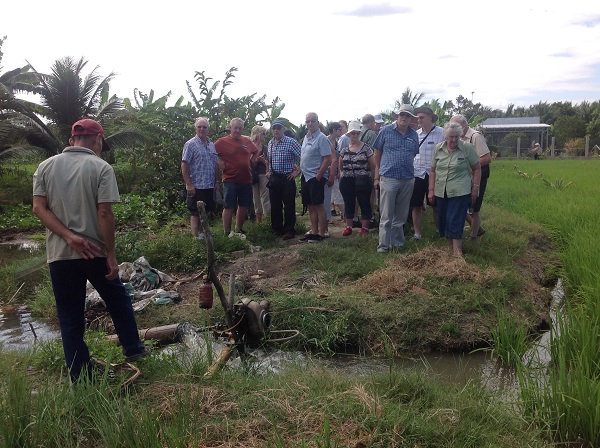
15	409
530	176
558	184
509	339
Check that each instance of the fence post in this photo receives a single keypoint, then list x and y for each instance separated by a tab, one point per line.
587	145
552	147
518	147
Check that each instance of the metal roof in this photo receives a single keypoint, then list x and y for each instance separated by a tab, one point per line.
524	124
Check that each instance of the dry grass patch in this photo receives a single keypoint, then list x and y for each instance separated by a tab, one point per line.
409	272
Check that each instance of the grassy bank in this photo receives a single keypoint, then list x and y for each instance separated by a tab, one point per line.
173	405
565	397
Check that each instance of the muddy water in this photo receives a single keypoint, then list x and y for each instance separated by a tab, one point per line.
459	369
19	331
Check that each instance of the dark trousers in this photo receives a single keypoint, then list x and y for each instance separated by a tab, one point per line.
283	206
350	193
68	283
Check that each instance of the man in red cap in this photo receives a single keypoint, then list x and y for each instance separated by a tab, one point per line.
73	193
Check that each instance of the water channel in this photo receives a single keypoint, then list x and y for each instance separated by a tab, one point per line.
18	331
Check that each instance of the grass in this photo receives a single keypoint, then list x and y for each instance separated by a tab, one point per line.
565	398
298	407
416	305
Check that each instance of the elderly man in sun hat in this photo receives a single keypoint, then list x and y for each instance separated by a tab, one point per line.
73	193
395	149
429	136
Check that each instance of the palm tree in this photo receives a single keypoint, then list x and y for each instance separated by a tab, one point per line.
409	98
67	95
21	129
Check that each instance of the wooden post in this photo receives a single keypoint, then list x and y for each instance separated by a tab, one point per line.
518	147
587	145
552	147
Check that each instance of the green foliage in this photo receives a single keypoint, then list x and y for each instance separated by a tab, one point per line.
18	217
509	338
568	127
575	147
220	109
136	210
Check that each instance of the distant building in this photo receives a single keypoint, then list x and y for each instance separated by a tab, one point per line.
495	129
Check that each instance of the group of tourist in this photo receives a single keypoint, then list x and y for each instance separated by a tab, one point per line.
409	168
399	169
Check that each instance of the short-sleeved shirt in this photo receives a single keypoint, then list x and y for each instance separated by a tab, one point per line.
283	155
314	148
422	162
74	183
477	140
397	151
453	171
356	163
235	155
343	141
202	160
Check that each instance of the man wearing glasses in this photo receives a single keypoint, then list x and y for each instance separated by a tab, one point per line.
315	160
199	170
395	148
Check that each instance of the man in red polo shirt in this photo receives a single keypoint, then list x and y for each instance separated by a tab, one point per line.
236	154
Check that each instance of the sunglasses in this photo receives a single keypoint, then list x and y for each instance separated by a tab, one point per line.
354	133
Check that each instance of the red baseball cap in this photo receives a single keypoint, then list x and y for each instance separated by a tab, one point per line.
87	126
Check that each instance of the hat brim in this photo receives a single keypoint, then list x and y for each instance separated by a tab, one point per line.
396	113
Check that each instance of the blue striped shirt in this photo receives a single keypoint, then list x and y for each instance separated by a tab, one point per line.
202	159
397	152
284	155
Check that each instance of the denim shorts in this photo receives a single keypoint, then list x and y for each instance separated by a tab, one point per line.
237	194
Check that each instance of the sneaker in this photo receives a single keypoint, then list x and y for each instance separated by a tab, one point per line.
364	231
288	235
347	231
382	250
240	231
306	236
416	237
137	356
314	238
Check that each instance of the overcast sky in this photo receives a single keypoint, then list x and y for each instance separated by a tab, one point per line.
341	59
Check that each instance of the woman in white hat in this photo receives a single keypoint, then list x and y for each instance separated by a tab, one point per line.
355	166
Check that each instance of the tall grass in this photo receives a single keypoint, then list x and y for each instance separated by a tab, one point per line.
565	399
